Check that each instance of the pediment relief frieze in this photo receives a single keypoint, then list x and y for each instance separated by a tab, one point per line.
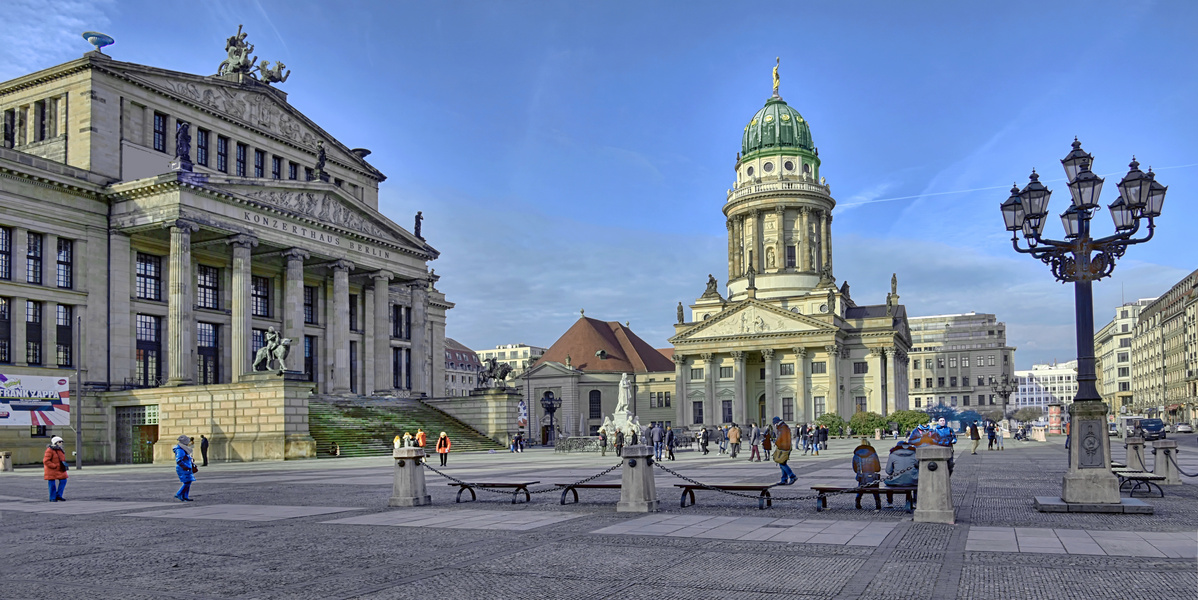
754	319
320	206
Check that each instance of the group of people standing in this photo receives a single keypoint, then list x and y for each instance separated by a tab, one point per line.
994	436
813	438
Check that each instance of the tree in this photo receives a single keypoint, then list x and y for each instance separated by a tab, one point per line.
833	422
909	419
993	414
941	411
1029	414
864	423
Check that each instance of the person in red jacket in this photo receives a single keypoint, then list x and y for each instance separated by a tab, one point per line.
443	445
54	469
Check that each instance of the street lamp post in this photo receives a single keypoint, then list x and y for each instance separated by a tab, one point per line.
1082	260
551	403
1004	387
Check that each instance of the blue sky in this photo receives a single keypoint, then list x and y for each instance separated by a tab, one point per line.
575	155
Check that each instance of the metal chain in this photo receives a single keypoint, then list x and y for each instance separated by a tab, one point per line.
752	497
1178	467
549	489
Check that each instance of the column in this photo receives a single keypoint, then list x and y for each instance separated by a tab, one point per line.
772	403
832	402
50	334
242	330
366	351
681	404
731	249
420	348
120	343
20	248
147	130
382	330
877	400
338	327
739	410
804	410
758	247
16	315
828	240
50	260
709	407
890	392
293	305
780	241
61	115
180	328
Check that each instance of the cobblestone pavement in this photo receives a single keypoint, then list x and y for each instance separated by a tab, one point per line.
321	529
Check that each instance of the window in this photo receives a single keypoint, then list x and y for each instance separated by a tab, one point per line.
276	167
939	362
207	287
5	330
259	163
310	361
696	374
965	361
918	403
862	403
397	321
1124	371
928	382
260	296
952	382
160	132
788	409
952	400
761	374
819	368
917	382
5	253
207	354
965	400
33	332
726	411
353	367
149	277
64	273
310	304
222	154
952	362
860	368
1124	386
308	176
725	372
64	334
292	171
1124	326
820	406
149	350
927	363
939	382
697	410
1122	357
981	381
241	151
596	405
786	369
202	147
790	256
33	258
257	340
1125	343
667	399
353	312
989	360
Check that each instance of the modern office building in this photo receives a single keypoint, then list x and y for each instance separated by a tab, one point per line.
956	359
1045	384
517	356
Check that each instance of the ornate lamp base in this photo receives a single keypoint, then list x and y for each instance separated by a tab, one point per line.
1089	480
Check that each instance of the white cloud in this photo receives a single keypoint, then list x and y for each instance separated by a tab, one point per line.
41	33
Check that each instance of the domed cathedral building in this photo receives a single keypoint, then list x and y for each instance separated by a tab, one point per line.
787	340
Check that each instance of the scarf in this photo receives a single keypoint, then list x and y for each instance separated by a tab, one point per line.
186	447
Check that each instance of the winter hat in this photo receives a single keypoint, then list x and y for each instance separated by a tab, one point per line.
54	441
777	420
186	441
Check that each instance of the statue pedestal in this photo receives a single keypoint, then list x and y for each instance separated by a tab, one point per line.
1089	480
638	491
409	488
935	502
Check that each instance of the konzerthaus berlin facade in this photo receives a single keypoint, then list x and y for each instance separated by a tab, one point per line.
177	273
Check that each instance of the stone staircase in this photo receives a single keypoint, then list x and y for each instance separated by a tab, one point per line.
367	426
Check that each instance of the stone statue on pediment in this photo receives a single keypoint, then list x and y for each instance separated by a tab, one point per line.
681	314
182	160
712	285
270	75
419	220
238	60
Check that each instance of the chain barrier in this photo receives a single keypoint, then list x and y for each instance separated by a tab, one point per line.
1177	466
509	493
752	497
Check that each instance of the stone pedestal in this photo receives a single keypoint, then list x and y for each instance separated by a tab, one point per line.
409	488
5	461
935	501
1039	435
1163	451
638	491
1089	479
1135	453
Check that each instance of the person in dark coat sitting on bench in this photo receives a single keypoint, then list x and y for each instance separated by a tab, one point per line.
902	456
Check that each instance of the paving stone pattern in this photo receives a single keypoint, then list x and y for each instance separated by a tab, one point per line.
322	530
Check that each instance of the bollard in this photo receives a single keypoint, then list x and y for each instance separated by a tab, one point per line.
934	502
1161	465
409	488
877	434
5	461
1135	454
638	492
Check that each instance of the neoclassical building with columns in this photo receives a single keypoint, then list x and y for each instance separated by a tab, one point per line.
786	341
178	219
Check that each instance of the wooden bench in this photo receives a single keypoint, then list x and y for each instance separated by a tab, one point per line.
516	488
1140	479
763	489
824	491
572	488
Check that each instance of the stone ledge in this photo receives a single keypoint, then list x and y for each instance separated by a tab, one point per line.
1125	506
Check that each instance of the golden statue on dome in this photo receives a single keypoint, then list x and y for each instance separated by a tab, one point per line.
776	80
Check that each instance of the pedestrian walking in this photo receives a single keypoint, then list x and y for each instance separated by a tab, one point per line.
733	441
1001	432
991	432
602	442
185	468
766	442
204	449
703	439
823	437
443	446
421	438
671	441
813	439
658	436
721	439
54	469
782	448
975	436
754	442
619	443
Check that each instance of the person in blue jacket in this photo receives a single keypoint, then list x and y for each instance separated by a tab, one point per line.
184	467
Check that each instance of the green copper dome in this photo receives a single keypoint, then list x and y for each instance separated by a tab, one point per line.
774	127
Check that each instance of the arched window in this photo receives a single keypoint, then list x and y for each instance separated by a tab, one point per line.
596	404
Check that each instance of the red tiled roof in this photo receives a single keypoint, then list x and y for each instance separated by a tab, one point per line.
667	352
625	351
